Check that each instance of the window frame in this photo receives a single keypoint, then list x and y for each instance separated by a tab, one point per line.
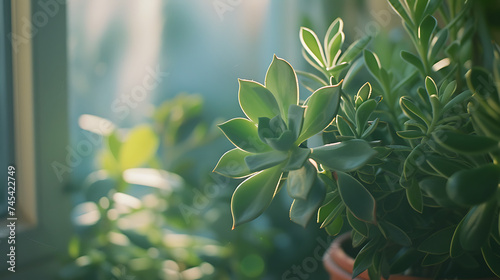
40	126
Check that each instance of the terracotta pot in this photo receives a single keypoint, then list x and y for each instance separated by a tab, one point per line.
339	265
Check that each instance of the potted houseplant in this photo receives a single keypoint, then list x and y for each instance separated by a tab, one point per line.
410	162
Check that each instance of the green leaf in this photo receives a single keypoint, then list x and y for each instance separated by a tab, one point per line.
430	259
448	92
491	256
356	197
354	50
437	44
396	234
252	197
479	81
456	249
410	134
414	196
331	211
320	111
345	156
114	145
457	100
373	63
435	187
477	225
411	110
430	86
303	210
413	60
257	162
295	118
344	127
465	143
335	226
425	31
298	157
439	242
282	81
371	128
474	186
139	147
257	101
334	29
300	181
232	164
243	134
311	44
397	6
333	49
357	225
283	143
364	259
363	113
445	166
365	92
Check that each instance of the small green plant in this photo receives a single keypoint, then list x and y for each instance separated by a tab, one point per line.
409	162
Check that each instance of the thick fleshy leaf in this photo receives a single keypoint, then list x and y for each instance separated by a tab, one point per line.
356	197
395	234
140	146
430	86
464	143
252	197
476	226
295	118
364	259
333	30
365	91
335	226
398	7
300	181
413	60
474	186
311	44
414	196
435	187
430	259
357	225
345	156
438	243
331	210
444	166
257	101
333	49
303	210
411	110
491	256
284	142
232	164
437	43
321	108
373	63
363	113
354	50
243	134
281	80
297	158
425	30
410	134
260	161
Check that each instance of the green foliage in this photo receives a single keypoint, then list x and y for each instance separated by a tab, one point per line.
412	163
